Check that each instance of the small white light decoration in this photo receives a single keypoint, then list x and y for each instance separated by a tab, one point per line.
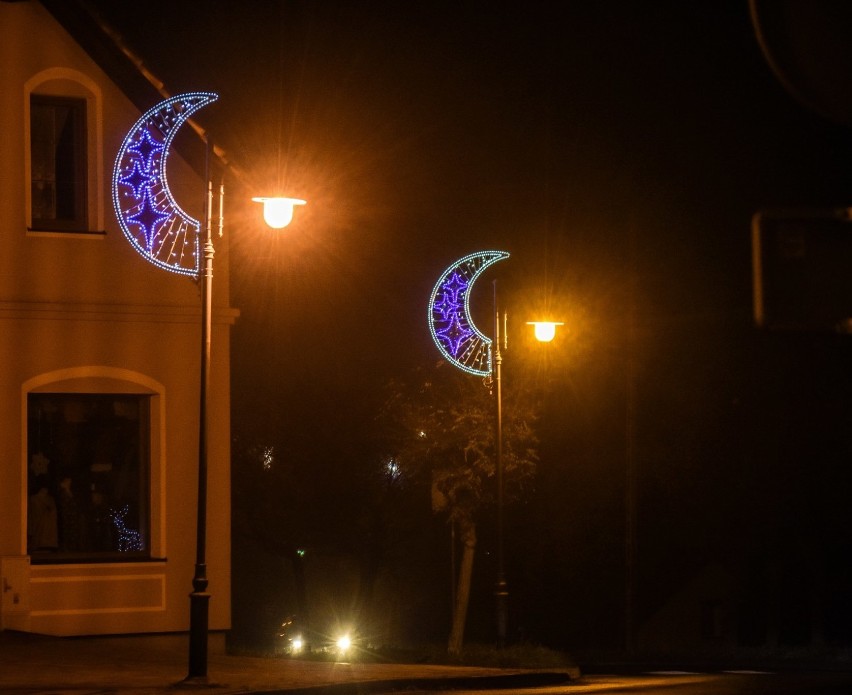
545	331
129	539
278	212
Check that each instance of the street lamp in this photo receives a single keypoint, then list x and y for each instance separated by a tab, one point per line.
501	588
199	599
278	212
464	346
166	236
545	331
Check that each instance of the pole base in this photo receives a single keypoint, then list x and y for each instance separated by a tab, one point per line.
198	621
195	682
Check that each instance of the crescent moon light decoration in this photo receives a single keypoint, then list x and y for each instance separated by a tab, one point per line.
153	222
450	323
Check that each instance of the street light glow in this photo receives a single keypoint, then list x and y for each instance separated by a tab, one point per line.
278	212
545	331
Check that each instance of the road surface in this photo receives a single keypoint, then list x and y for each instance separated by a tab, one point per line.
682	683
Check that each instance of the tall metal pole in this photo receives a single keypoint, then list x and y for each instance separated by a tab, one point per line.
199	599
630	483
501	589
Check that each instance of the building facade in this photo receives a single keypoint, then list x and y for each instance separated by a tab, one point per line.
99	388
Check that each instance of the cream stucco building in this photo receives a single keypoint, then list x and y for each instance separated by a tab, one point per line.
100	350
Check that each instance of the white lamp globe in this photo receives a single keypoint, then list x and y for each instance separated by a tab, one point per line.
278	212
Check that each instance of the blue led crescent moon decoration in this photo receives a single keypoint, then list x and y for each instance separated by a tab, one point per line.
450	323
153	222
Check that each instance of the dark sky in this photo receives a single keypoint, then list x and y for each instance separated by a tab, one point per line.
419	132
618	151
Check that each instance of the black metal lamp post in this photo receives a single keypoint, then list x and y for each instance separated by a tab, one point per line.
278	212
544	332
501	588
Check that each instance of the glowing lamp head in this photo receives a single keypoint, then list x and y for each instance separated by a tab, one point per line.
278	212
545	331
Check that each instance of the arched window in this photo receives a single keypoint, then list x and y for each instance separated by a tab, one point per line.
58	158
89	470
64	166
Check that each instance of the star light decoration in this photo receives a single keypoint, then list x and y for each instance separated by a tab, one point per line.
151	219
450	323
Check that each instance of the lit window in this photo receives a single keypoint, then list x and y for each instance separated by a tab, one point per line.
87	477
58	163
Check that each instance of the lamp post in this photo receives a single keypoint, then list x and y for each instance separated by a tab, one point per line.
501	588
166	236
464	346
545	331
199	599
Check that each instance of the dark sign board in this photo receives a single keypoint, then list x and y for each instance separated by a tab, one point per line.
802	262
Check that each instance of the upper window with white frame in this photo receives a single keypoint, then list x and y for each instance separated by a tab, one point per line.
58	166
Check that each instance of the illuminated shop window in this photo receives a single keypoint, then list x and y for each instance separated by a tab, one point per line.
58	163
87	477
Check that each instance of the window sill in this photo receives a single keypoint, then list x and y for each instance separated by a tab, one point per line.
42	559
67	233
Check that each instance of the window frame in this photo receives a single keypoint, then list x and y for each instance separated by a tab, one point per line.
146	411
77	168
67	82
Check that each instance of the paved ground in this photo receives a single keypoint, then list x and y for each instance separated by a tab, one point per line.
150	664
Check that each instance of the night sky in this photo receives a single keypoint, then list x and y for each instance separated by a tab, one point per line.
618	151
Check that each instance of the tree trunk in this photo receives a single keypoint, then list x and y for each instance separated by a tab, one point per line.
468	537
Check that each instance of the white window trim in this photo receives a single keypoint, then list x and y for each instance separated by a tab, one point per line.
99	379
65	82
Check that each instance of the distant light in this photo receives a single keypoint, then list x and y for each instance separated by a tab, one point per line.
268	457
300	552
392	469
545	331
278	212
343	643
297	644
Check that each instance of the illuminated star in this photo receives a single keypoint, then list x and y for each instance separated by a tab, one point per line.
137	179
454	286
455	334
448	306
148	218
146	147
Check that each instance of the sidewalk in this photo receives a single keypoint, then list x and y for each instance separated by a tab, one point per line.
145	665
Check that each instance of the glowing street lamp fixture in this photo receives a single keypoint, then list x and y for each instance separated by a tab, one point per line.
278	212
545	331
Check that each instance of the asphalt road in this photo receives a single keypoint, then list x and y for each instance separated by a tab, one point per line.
673	683
149	665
